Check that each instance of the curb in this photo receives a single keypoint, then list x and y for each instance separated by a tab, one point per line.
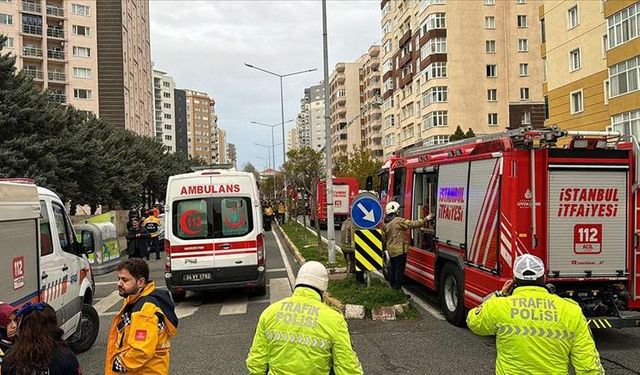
292	247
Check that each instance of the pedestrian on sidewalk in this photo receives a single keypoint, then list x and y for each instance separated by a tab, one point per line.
395	241
536	332
39	347
346	236
140	335
137	240
152	225
302	335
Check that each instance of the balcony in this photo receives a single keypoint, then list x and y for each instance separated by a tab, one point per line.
55	11
32	52
31	7
36	74
55	33
32	30
57	98
55	54
57	77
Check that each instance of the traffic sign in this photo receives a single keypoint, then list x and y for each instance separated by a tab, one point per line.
368	244
366	211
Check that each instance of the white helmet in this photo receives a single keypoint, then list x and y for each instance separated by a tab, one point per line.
528	267
392	208
313	274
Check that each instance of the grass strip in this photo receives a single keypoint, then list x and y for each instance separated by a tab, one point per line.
348	291
307	244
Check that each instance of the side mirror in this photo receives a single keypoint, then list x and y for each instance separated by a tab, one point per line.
88	242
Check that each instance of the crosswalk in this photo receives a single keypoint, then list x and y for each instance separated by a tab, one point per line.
236	304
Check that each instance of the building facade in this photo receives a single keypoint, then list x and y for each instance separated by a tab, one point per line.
164	109
293	139
200	127
344	98
370	119
180	109
55	43
232	156
316	116
222	146
591	51
447	63
124	57
303	121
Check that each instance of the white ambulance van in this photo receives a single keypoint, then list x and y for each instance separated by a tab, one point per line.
214	237
42	261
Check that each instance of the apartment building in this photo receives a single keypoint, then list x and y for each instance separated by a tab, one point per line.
316	116
293	139
370	119
164	109
344	99
232	155
200	125
55	43
591	50
124	56
222	146
303	122
180	109
446	63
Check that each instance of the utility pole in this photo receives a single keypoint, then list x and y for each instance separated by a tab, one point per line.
331	230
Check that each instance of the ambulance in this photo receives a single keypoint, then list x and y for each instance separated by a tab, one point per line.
42	261
214	238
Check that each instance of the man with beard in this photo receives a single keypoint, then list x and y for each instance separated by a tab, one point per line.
140	335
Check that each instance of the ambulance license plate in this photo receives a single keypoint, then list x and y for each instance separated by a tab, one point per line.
197	276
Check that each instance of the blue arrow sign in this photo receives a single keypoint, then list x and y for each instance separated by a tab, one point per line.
366	211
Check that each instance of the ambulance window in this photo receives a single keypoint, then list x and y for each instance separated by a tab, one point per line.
190	219
232	217
46	246
63	234
398	185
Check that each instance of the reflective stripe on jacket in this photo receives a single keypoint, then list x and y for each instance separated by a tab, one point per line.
139	337
302	335
537	333
395	235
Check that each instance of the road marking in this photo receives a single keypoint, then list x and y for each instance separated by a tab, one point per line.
106	283
279	289
107	302
287	265
234	305
424	305
110	313
276	270
187	308
261	300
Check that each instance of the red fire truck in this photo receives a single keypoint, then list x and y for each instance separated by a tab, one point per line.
496	197
344	190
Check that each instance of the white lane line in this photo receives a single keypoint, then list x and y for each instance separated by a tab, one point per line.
106	283
234	305
276	270
262	300
187	308
279	289
107	302
287	265
110	313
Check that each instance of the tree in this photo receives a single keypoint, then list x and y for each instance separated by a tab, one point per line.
470	133
252	169
360	164
457	135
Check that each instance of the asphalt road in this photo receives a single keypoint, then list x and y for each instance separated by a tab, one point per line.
215	332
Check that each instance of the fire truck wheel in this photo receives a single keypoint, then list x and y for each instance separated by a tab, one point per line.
451	294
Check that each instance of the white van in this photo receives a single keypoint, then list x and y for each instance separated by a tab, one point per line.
42	261
214	237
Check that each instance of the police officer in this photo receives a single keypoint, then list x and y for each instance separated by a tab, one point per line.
395	241
302	335
537	332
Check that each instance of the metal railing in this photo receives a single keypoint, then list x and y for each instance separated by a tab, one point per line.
31	7
53	10
34	73
57	98
57	76
32	51
55	55
55	33
32	29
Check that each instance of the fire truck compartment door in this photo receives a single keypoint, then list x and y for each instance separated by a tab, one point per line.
587	233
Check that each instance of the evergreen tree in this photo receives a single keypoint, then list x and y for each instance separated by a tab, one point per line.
470	133
457	135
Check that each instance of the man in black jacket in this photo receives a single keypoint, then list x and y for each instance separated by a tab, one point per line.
137	240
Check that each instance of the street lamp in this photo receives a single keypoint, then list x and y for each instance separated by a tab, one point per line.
281	76
273	145
268	153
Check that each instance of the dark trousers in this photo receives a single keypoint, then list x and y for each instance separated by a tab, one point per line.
396	271
155	246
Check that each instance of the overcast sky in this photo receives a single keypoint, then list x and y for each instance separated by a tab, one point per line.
204	45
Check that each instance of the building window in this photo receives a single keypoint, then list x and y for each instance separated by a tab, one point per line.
492	70
543	32
546	107
524	93
576	102
489	2
167	116
166	105
489	22
82	10
437	140
572	17
388	45
8	43
544	69
166	84
627	123
81	30
522	21
624	25
168	137
432	22
492	95
525	119
521	1
524	70
435	45
81	52
166	95
167	127
492	119
81	72
387	8
523	45
82	94
435	118
436	94
6	19
490	46
436	70
574	60
387	27
625	77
